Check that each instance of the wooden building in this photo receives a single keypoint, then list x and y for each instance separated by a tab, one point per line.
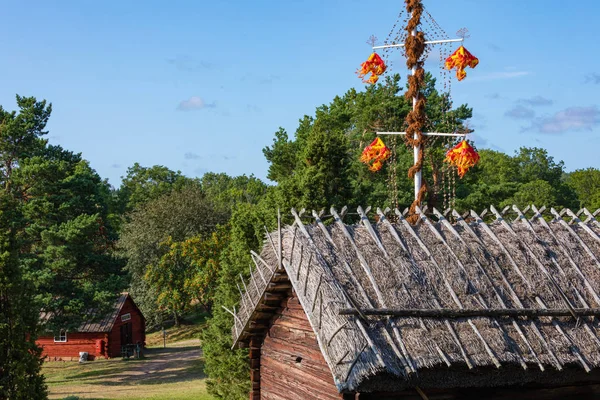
492	305
124	325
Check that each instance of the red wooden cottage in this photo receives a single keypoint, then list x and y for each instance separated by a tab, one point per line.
498	304
124	325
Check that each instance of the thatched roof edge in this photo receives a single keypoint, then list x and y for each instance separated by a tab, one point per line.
510	259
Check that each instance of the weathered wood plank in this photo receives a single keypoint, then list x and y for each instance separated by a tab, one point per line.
292	365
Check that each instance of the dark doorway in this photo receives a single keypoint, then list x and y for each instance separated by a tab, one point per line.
126	334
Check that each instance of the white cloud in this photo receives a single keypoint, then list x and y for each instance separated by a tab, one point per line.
594	78
194	103
537	101
571	119
189	64
520	112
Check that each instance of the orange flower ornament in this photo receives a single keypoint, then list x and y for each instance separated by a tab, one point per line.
460	60
375	154
375	66
462	156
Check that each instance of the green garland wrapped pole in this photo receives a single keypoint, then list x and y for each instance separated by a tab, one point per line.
415	47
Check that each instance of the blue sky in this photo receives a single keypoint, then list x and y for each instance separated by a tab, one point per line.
202	86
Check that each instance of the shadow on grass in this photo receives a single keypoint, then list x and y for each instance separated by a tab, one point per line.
155	368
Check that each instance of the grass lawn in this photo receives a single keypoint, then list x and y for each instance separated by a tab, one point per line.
172	373
190	328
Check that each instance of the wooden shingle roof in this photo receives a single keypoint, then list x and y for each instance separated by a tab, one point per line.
96	323
496	291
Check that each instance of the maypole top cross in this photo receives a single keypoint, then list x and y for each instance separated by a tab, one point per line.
416	48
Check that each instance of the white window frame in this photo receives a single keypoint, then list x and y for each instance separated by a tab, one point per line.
62	337
126	317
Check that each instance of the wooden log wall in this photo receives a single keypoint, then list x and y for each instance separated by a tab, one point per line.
291	364
255	344
70	349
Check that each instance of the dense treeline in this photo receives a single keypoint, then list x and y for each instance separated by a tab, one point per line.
69	242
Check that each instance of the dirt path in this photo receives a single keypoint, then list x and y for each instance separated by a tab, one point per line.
178	366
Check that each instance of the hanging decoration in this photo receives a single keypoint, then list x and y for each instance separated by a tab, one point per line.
374	66
375	154
460	60
462	156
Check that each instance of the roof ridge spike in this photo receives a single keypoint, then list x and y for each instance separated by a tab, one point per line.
252	252
252	279
345	295
446	283
386	222
537	213
272	243
404	357
536	260
361	258
291	257
572	232
323	228
590	216
383	218
367	224
343	212
404	360
574	265
494	289
447	224
516	268
461	221
258	269
500	217
555	323
585	227
491	233
428	223
521	216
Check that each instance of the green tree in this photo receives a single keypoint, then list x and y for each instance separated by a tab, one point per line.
21	134
179	215
56	245
320	167
531	176
20	357
68	244
187	272
226	191
586	183
538	192
142	184
228	370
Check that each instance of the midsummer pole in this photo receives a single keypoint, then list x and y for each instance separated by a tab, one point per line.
462	155
416	148
414	45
